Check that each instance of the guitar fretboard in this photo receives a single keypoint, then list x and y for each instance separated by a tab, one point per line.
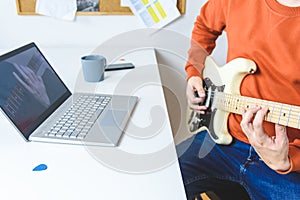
279	113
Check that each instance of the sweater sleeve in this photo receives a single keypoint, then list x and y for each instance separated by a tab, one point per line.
207	28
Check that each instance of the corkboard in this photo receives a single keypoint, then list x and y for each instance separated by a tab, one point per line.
106	7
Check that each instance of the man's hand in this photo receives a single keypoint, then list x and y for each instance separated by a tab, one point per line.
194	85
272	150
33	84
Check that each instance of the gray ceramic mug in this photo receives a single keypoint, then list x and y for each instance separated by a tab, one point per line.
93	67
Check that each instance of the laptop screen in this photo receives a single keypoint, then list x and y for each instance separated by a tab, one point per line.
30	90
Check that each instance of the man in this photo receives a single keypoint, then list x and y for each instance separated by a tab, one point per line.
264	158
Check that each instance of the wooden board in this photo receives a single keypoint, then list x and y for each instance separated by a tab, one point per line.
106	7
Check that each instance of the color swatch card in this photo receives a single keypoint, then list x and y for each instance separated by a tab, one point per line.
155	13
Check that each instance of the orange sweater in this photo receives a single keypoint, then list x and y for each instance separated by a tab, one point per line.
265	32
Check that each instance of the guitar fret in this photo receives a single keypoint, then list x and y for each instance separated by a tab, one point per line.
228	101
233	103
237	107
271	115
285	112
288	117
275	115
259	103
279	116
294	117
266	117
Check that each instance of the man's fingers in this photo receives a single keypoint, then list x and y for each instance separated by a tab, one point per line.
258	119
195	94
281	135
195	103
252	124
259	133
246	122
199	92
199	109
196	100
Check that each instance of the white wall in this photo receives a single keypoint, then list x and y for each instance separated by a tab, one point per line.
85	30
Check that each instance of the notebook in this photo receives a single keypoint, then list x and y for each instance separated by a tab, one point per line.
40	106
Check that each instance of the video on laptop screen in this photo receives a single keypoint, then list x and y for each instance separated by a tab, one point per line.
30	90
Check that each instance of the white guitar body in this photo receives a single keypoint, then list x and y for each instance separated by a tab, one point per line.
227	78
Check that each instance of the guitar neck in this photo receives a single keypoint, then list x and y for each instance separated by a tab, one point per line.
284	114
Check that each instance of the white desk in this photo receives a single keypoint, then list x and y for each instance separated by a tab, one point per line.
144	165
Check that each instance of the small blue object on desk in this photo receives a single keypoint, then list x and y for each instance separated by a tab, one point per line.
40	167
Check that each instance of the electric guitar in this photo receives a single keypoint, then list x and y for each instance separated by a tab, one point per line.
223	97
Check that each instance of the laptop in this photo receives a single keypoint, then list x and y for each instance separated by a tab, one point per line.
40	106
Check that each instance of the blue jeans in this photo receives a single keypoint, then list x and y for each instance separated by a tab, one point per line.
206	166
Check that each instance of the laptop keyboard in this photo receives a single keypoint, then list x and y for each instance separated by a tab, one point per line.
79	118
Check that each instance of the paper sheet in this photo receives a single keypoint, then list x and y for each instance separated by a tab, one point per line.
154	13
61	9
126	3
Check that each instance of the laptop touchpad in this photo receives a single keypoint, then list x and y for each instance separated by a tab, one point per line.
108	127
113	118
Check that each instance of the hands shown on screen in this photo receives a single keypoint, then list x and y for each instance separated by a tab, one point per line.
32	83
